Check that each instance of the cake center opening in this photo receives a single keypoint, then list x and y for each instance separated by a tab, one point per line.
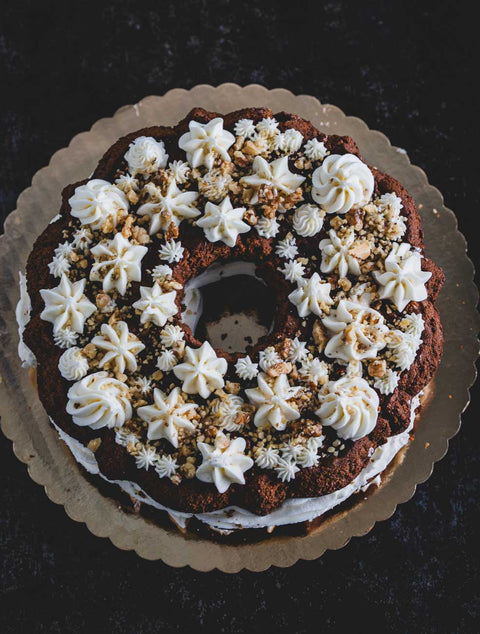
229	306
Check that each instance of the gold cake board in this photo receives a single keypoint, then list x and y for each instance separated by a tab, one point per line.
50	463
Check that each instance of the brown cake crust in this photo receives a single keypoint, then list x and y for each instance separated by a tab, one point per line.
263	492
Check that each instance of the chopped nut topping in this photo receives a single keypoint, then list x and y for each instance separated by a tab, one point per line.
279	368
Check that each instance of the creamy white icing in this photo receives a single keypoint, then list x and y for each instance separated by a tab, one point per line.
293	271
286	469
403	348
117	263
223	223
275	174
292	511
171	251
268	357
167	360
146	155
225	411
180	170
386	384
82	238
223	463
22	314
67	305
120	347
355	331
267	227
297	351
287	248
342	182
98	401
156	305
205	141
289	141
73	365
166	466
311	296
308	220
350	406
215	185
246	369
59	265
65	338
336	254
403	281
161	272
273	401
173	206
145	458
314	371
167	415
268	125
245	128
99	204
315	150
201	371
266	457
171	335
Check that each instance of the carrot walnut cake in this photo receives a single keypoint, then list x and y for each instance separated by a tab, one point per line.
179	228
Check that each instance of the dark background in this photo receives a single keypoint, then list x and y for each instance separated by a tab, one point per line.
406	70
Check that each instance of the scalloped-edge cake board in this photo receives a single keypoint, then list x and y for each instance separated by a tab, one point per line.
49	462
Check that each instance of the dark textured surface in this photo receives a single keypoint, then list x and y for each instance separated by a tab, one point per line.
406	71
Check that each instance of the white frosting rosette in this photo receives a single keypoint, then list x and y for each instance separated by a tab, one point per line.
66	305
403	281
276	175
99	203
205	141
223	222
98	400
224	463
308	220
146	155
73	365
202	371
355	332
350	406
342	181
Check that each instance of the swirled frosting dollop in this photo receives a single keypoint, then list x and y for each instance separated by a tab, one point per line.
350	406
73	365
146	155
98	400
308	220
99	204
342	181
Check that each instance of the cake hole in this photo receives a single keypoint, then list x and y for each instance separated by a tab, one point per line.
230	311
